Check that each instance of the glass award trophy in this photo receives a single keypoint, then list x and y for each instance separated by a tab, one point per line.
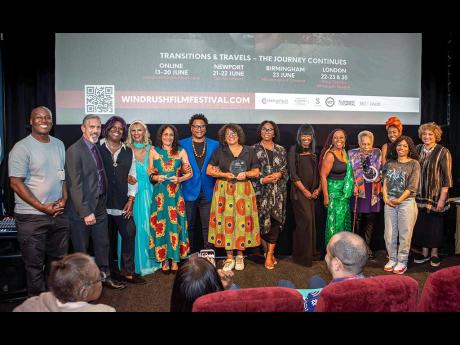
238	166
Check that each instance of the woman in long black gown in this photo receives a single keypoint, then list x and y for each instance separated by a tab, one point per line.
305	189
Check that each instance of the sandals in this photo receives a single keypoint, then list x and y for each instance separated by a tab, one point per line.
165	267
272	266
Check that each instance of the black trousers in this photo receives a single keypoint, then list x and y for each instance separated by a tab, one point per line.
191	208
272	236
127	230
80	234
365	226
42	239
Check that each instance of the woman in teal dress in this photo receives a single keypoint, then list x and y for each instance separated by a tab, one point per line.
139	141
336	176
168	223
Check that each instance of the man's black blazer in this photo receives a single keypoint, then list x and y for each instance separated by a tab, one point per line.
82	178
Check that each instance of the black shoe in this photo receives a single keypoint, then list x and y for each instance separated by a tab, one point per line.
435	261
136	279
113	284
420	259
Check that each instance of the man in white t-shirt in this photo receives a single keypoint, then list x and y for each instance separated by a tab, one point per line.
36	172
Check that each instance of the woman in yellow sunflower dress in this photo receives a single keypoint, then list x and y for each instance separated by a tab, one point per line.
233	220
168	223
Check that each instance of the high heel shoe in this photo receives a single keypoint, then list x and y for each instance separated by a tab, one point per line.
174	271
165	269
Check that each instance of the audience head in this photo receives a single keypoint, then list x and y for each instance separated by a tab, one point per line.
114	126
196	278
337	139
229	133
394	128
91	128
75	278
138	133
198	124
41	120
346	254
167	135
268	130
430	133
306	140
403	141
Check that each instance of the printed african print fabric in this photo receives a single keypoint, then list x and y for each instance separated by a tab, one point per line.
168	223
234	222
338	210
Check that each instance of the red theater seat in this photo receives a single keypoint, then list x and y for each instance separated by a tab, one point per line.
441	291
264	299
385	293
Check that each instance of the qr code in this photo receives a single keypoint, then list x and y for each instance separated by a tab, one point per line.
99	99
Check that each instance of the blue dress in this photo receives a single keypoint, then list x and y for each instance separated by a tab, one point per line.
141	211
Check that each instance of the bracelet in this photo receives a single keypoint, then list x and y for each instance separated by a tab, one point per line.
261	180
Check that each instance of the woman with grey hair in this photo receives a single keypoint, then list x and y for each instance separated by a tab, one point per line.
74	281
366	164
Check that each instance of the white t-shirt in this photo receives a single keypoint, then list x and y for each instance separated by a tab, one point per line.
42	167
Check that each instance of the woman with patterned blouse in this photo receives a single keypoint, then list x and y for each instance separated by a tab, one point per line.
435	181
270	188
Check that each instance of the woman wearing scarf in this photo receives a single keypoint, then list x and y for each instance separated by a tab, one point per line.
337	183
366	164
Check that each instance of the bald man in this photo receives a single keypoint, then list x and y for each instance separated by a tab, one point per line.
346	256
36	172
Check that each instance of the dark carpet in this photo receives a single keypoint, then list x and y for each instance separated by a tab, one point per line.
156	294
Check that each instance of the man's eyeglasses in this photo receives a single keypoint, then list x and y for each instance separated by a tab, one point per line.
198	126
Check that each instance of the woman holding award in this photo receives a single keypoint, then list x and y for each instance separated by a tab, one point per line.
233	221
168	239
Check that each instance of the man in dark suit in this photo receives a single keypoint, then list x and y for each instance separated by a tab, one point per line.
87	184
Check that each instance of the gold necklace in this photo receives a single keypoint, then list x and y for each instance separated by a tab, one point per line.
202	153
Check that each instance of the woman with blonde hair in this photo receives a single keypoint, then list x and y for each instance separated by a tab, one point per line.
435	181
139	141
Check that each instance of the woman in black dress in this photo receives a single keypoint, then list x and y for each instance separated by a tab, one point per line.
305	189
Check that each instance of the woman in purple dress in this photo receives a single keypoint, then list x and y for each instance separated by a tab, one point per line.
366	164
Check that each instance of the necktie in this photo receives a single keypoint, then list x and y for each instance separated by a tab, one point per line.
100	169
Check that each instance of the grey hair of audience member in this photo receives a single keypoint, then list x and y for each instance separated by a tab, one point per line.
73	278
351	250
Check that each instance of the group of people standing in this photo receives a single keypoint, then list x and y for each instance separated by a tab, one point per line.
152	194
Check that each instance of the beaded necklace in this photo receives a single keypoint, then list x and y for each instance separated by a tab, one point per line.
202	153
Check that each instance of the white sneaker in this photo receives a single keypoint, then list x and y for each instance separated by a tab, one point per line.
229	264
389	266
400	268
239	263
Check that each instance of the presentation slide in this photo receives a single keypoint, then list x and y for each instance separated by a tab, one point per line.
290	78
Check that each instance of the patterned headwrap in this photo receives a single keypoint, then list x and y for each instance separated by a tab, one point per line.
394	121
